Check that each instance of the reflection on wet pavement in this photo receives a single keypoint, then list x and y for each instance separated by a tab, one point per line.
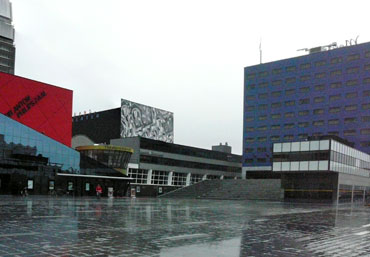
41	226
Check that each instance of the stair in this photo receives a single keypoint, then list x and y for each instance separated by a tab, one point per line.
246	189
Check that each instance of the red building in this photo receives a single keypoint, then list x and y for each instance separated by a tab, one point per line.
42	107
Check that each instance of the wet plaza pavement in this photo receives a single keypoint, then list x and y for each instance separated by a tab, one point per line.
41	226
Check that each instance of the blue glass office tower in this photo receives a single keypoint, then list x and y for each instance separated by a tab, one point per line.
321	93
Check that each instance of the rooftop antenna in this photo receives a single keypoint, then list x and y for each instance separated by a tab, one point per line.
260	50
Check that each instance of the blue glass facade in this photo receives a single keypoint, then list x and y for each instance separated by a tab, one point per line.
316	94
57	153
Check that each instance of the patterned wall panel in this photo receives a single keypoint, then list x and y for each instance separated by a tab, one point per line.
146	121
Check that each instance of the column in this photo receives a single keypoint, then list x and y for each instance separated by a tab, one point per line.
188	179
169	182
149	178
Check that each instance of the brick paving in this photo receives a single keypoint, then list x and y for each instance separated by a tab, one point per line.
41	226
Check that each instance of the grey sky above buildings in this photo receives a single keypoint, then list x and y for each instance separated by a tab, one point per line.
186	57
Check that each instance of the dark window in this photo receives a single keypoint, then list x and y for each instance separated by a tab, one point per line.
261	149
250	97
335	72
351	95
249	150
275	127
305	77
336	60
289	92
303	124
352	70
319	99
262	107
251	75
250	108
333	133
248	160
333	122
288	137
366	93
304	101
276	93
277	71
367	67
320	63
320	87
352	107
302	136
304	89
290	80
365	131
317	134
350	132
249	139
275	116
263	85
318	123
261	128
350	120
275	138
334	109
249	129
365	118
289	103
320	75
304	113
263	96
261	139
305	66
275	105
318	111
288	125
353	57
366	81
277	82
251	86
262	117
290	68
261	160
249	118
365	143
353	82
263	74
336	85
289	115
366	106
334	97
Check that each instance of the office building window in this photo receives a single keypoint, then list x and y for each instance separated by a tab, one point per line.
304	101
318	123
262	128
366	81
317	134
262	117
303	124
277	71
290	68
353	57
352	70
288	137
305	66
319	99
333	122
365	143
263	74
249	129
366	93
289	103
250	97
289	92
305	77
274	127
336	85
320	75
288	125
320	87
289	115
302	136
274	138
249	139
336	72
351	83
249	160
276	116
276	82
251	86
262	107
365	106
262	139
334	109
336	60
367	67
365	131
333	133
290	80
263	85
318	111
333	98
249	150
276	105
320	63
350	132
250	108
159	177
304	89
251	75
276	94
261	149
249	118
352	107
351	95
350	120
304	113
261	160
262	96
365	118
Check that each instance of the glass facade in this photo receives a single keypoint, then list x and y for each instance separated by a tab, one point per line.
320	155
314	94
58	154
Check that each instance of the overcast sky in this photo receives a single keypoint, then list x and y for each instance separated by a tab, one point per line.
186	57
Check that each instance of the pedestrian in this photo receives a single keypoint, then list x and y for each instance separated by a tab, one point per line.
99	190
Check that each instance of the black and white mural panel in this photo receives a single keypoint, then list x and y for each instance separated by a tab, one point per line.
146	121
